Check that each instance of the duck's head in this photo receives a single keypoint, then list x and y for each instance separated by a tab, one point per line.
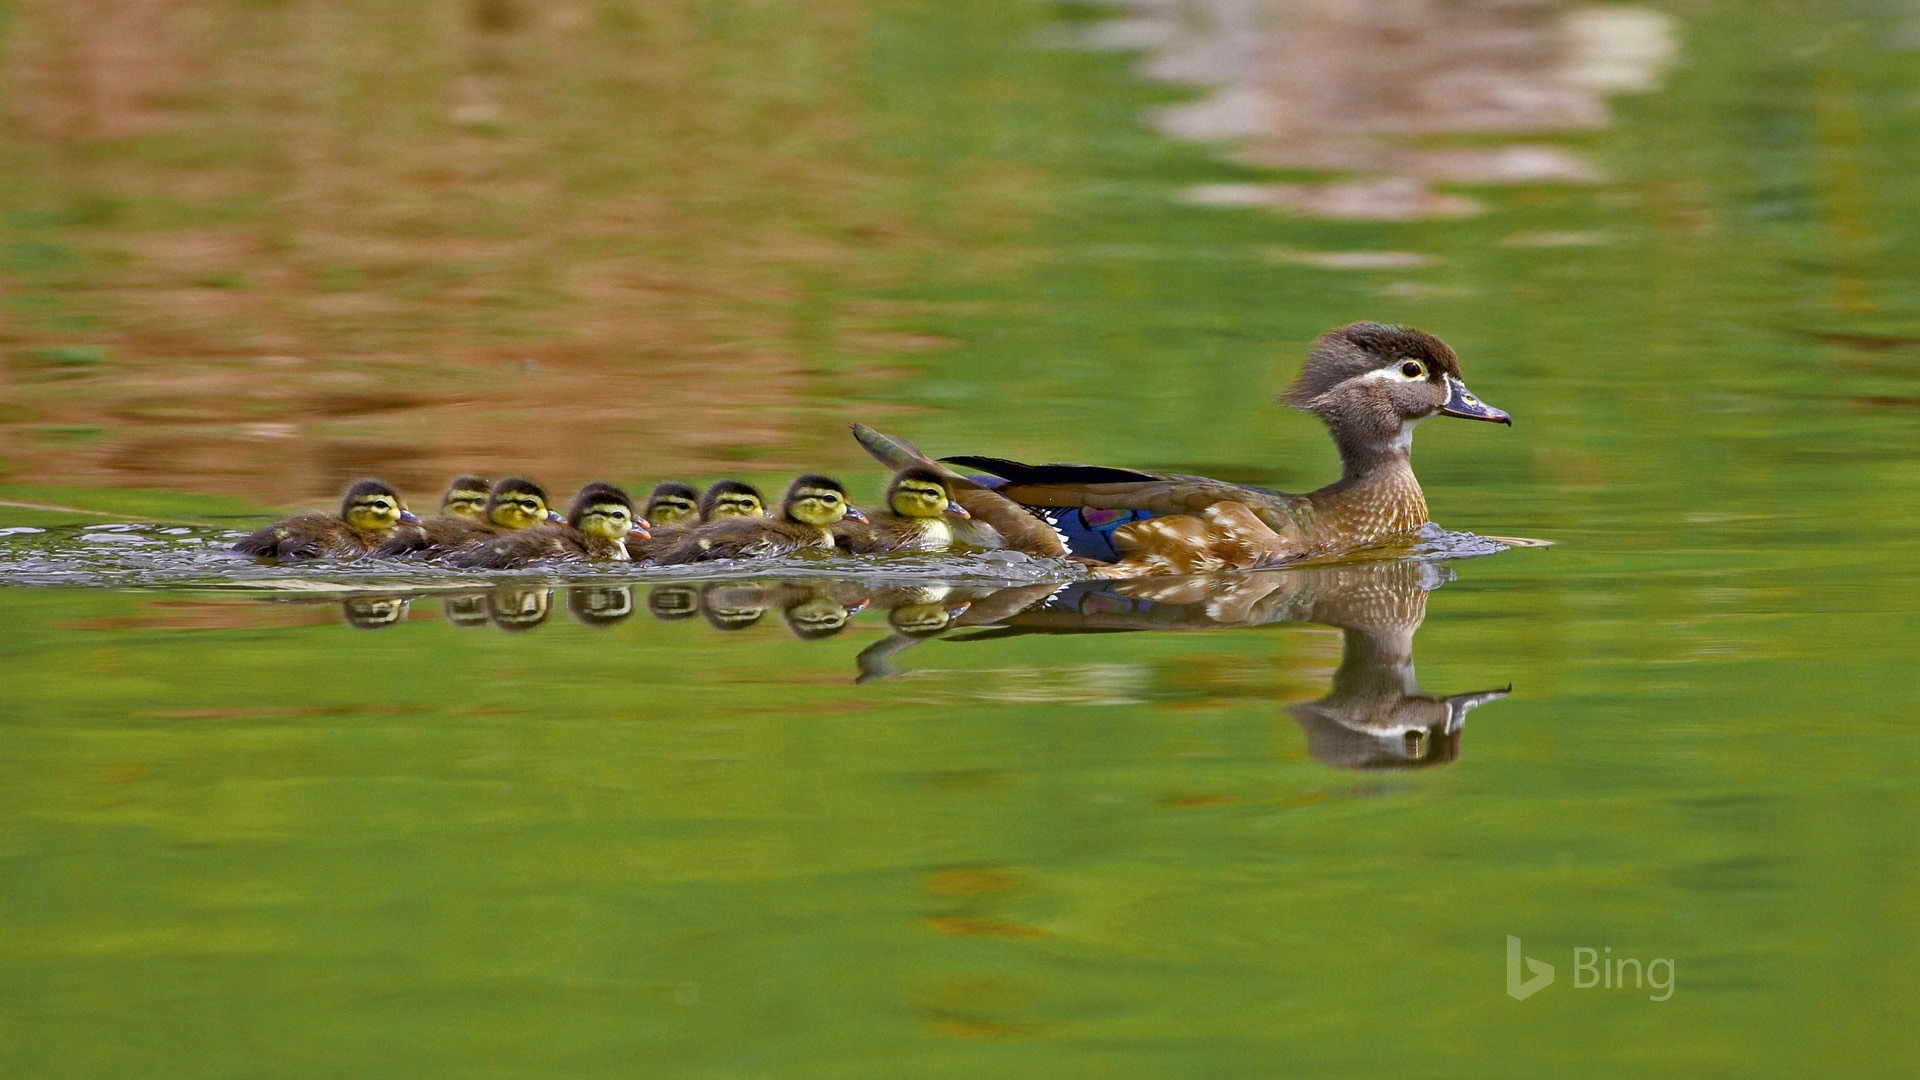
517	502
731	498
373	506
818	501
1372	383
466	497
602	510
673	504
920	492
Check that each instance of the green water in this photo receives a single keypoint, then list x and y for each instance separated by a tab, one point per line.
241	837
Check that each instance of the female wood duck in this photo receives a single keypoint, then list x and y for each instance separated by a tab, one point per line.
513	503
596	530
367	517
919	507
812	507
731	498
1370	383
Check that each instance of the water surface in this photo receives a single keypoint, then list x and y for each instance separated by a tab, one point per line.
996	823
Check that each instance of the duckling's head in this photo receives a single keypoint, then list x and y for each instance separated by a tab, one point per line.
602	510
373	506
516	503
1372	382
466	497
920	492
673	504
818	501
731	498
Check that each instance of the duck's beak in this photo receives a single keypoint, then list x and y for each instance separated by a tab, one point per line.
408	517
641	528
1462	403
958	511
853	514
556	517
856	607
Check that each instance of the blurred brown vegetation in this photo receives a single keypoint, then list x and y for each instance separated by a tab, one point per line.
257	246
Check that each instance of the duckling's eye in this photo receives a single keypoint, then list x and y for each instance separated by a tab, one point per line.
381	505
1412	369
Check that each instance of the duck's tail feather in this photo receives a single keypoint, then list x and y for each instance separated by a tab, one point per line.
1019	472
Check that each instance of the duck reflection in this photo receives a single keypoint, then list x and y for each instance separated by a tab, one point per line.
1374	714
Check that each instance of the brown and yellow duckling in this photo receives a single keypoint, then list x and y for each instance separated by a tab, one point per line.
596	530
512	504
813	505
465	500
672	509
920	509
366	519
731	498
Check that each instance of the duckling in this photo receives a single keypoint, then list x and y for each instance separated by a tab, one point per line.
466	496
813	505
367	517
672	509
465	500
731	498
673	505
596	531
919	503
513	503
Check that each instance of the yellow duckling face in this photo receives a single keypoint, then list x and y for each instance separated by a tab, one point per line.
372	506
921	493
731	498
466	497
820	502
516	503
674	505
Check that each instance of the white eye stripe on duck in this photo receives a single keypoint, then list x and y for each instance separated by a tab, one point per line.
1397	373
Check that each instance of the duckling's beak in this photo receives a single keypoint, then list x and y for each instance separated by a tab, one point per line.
556	517
958	511
1462	403
958	608
641	528
856	607
408	517
854	514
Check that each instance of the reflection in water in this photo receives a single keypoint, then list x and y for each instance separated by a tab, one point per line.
1374	714
600	605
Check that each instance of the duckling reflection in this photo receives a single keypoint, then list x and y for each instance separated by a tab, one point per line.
671	603
374	612
1375	714
600	605
465	609
812	610
731	606
519	608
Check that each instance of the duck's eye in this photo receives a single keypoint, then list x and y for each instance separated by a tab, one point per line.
381	505
1412	369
